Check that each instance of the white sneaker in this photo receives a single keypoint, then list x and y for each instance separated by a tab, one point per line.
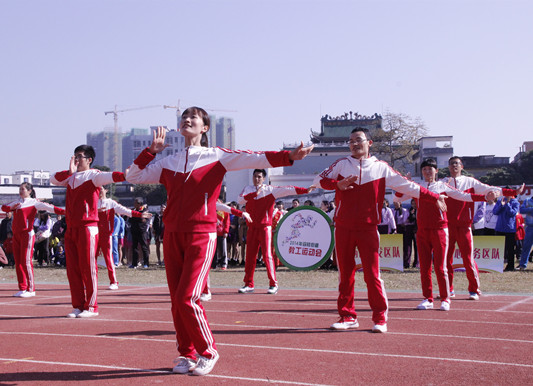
272	290
27	294
74	313
452	294
205	297
18	294
183	365
445	306
246	289
204	365
473	296
379	328
87	314
113	286
345	323
425	305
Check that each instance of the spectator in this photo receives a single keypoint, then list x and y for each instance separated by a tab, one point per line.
6	226
387	225
507	208
158	227
43	230
118	239
139	235
8	249
409	237
527	210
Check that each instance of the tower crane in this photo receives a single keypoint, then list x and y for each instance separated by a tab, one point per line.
115	113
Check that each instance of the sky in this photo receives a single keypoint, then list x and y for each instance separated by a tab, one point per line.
276	67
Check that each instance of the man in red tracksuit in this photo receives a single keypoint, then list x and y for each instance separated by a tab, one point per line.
259	200
360	181
81	239
106	225
460	218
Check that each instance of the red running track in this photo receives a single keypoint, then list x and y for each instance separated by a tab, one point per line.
282	339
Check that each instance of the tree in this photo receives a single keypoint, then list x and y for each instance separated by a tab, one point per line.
506	175
445	172
397	140
153	194
524	166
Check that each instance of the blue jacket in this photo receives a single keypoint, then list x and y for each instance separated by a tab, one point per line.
527	211
506	215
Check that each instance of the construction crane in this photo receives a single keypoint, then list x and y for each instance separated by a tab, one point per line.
115	113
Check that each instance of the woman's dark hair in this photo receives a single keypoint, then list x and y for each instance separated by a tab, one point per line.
205	118
87	150
29	188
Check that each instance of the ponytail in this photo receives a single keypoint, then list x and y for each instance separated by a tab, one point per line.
204	141
29	188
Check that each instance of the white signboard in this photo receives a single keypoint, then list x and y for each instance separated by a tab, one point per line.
304	238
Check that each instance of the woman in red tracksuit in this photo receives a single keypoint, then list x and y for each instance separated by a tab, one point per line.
432	236
24	210
106	225
193	178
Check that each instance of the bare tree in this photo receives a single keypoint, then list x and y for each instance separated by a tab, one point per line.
397	141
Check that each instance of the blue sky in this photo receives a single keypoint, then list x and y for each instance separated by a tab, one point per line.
463	67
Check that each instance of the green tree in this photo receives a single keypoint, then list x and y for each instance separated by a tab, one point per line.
153	194
524	166
397	140
507	175
445	172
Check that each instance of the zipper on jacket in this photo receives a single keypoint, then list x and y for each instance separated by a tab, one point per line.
86	210
205	204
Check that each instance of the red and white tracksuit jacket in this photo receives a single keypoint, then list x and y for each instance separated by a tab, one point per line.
260	207
356	218
193	178
432	237
81	238
106	225
24	237
460	217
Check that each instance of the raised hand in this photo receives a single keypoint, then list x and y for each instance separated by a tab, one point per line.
73	166
300	152
158	141
146	215
346	183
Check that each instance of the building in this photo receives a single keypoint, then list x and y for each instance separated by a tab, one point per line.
439	148
118	150
330	143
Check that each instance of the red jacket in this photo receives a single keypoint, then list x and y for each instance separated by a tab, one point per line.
461	213
193	178
24	216
261	206
428	215
83	191
359	208
106	215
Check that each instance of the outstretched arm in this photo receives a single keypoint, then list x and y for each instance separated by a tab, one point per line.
300	152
